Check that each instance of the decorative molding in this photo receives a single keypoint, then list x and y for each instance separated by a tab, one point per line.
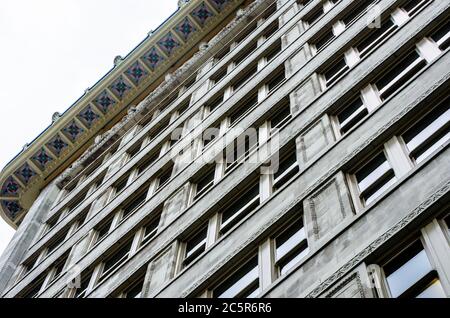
345	282
443	190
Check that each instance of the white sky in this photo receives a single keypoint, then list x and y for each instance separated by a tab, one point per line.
52	50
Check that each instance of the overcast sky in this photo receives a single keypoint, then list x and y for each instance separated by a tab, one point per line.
52	50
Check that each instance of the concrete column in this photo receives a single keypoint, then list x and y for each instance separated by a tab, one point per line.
23	238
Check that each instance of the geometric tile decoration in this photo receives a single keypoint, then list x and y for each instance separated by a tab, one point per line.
152	58
88	116
57	145
185	29
12	207
202	13
104	101
219	4
42	158
72	131
136	73
10	188
168	44
25	173
120	87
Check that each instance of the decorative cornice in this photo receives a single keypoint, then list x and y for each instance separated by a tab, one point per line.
171	81
23	178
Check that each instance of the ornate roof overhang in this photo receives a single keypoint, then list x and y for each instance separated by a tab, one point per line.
97	110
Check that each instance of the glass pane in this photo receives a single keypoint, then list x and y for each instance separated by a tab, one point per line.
408	273
291	262
400	74
352	114
289	239
197	244
372	172
244	283
375	36
434	290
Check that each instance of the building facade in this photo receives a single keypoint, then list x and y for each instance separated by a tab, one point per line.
248	149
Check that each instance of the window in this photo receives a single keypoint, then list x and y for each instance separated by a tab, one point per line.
240	149
283	115
276	80
165	176
205	183
210	134
243	78
287	168
397	76
315	15
82	289
246	32
291	246
195	246
222	53
135	290
36	286
150	230
323	41
216	102
147	162
243	109
271	29
357	11
335	72
121	184
244	283
245	52
273	51
375	37
115	260
103	230
134	204
134	150
167	102
442	36
410	274
352	114
447	222
430	133
59	267
219	75
56	243
374	178
239	208
414	6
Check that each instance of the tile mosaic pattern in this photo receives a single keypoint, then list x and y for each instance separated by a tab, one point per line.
185	29
120	87
10	188
13	208
25	173
202	13
57	145
88	116
42	158
136	73
104	101
168	44
73	130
